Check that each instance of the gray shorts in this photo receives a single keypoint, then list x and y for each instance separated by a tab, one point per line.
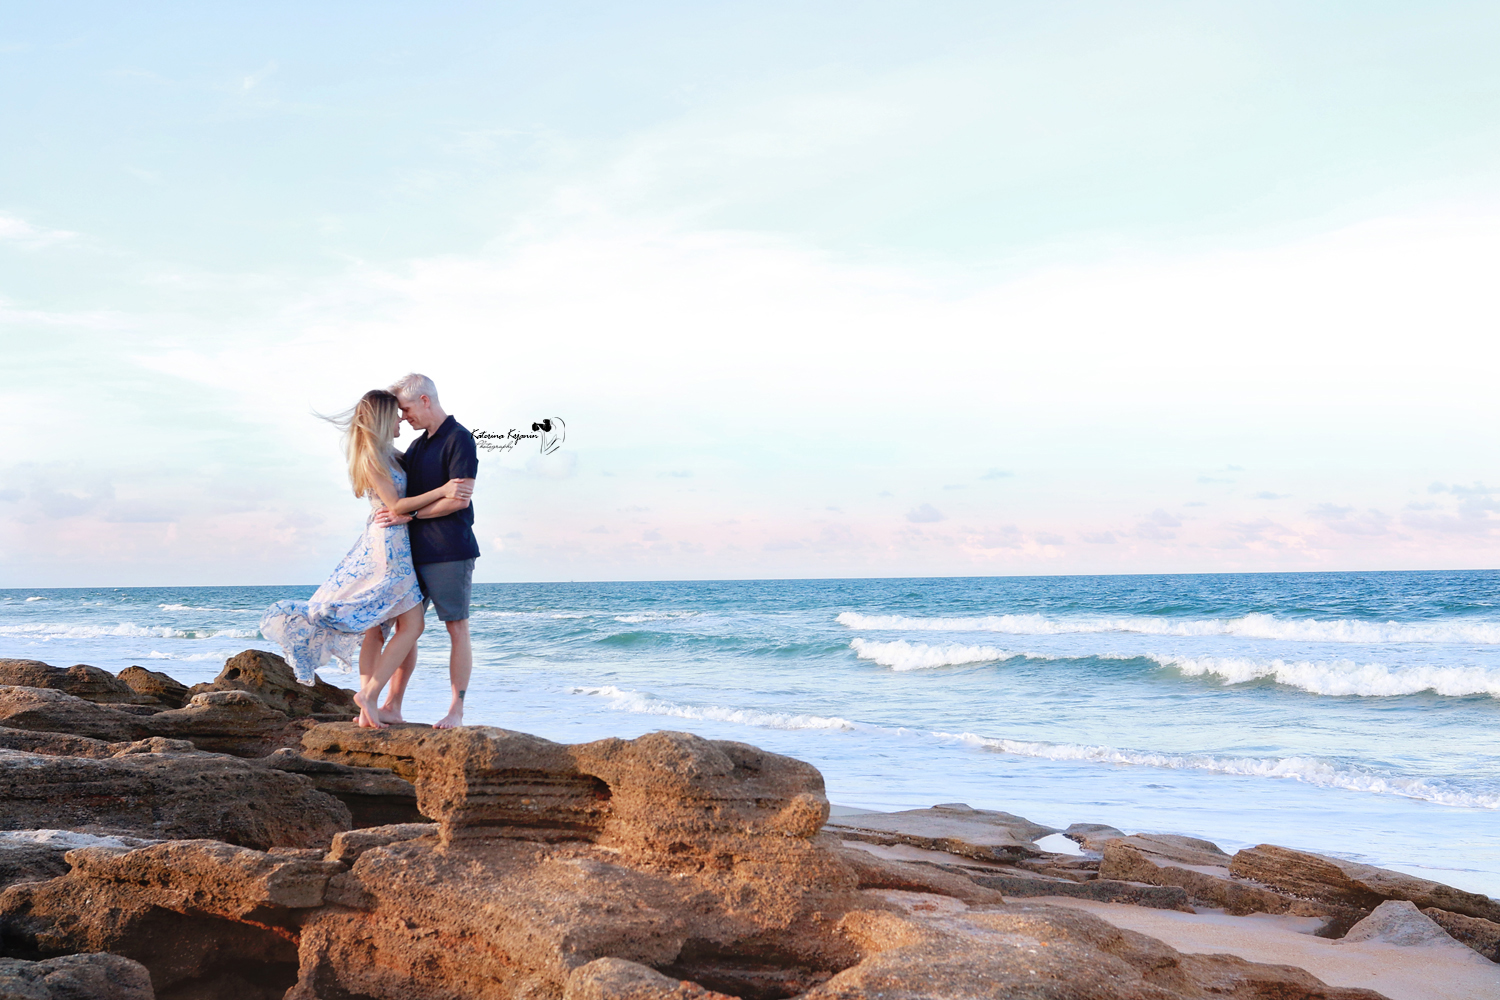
446	585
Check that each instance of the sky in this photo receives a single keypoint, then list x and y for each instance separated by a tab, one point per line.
818	290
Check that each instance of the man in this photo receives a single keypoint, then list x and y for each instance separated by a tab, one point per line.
443	548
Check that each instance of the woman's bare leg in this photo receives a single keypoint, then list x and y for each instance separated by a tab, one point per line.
408	627
369	655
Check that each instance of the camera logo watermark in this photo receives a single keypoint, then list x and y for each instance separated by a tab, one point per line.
548	434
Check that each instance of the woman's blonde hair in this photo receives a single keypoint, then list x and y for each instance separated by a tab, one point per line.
369	429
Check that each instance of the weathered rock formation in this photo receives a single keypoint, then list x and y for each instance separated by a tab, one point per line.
75	977
1476	932
81	681
374	796
167	795
1348	883
954	828
269	678
154	688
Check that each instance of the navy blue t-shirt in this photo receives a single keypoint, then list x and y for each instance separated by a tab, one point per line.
430	461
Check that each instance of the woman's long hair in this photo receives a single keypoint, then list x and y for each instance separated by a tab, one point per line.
369	428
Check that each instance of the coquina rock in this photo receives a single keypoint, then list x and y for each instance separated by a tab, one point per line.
375	796
269	678
955	828
1349	883
234	722
1206	879
82	681
75	977
167	795
154	687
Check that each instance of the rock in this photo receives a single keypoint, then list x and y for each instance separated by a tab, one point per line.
234	722
1476	932
1398	921
75	977
207	876
154	687
376	797
1068	866
1175	847
29	862
81	681
1349	883
55	744
269	678
1035	951
1211	885
954	828
617	979
872	872
1091	836
52	711
165	795
350	844
1157	897
217	721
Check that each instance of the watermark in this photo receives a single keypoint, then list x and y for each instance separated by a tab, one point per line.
548	434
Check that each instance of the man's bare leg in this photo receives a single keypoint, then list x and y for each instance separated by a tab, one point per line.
460	665
391	710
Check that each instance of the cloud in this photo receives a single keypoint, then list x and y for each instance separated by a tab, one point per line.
925	514
997	474
1155	524
1196	503
957	486
1100	538
20	231
1046	538
1268	495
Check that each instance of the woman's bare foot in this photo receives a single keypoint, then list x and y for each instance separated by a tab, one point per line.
454	718
391	714
368	717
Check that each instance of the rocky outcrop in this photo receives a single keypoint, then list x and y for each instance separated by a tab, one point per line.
75	977
81	681
153	687
617	979
1103	890
1399	922
269	678
217	721
1041	951
55	744
1348	883
954	828
1205	877
375	796
167	795
1479	934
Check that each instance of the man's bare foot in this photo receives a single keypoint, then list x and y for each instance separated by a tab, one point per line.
453	719
367	718
391	714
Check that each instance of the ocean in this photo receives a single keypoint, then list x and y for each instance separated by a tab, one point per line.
1353	714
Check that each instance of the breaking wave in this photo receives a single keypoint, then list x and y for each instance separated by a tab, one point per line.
1253	626
903	655
1342	677
45	631
1305	769
634	701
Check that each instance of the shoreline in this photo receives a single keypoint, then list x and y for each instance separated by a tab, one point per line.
350	846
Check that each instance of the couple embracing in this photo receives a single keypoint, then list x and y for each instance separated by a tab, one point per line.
417	548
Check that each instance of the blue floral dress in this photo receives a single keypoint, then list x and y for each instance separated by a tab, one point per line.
373	584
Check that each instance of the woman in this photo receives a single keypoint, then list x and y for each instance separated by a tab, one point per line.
374	589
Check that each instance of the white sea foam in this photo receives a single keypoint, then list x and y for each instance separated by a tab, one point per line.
654	616
1305	769
1254	626
903	655
634	701
1342	677
46	631
30	599
216	655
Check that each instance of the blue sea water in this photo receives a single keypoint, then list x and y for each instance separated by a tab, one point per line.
1352	714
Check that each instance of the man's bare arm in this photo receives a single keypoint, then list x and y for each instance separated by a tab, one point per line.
438	508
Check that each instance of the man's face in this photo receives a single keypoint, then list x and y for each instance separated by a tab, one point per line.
416	412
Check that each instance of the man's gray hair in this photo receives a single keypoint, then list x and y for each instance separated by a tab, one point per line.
412	386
